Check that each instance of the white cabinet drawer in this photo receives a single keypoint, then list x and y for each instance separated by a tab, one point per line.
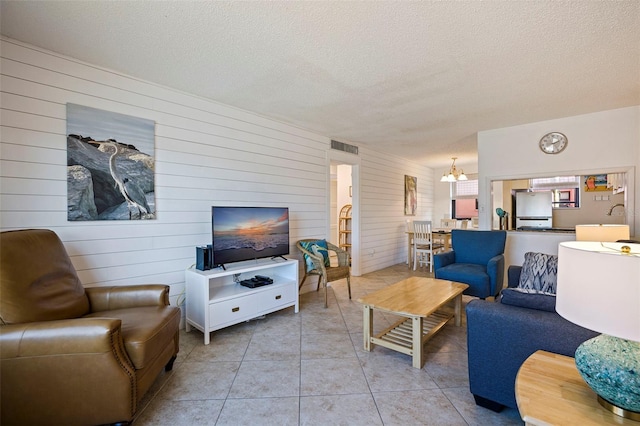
231	311
277	297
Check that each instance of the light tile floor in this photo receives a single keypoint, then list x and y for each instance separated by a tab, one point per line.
310	368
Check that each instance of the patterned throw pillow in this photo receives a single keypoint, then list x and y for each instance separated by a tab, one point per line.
319	248
539	273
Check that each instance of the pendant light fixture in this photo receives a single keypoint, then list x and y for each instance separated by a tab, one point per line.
454	174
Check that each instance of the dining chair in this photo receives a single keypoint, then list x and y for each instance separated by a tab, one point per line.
423	245
448	223
408	229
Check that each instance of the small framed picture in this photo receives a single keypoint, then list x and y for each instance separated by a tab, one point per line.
410	195
595	183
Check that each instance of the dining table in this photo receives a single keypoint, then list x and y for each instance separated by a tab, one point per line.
443	233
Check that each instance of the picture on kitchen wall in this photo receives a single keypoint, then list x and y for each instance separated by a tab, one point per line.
410	195
110	165
595	182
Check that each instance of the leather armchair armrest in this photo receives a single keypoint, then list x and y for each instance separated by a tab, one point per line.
131	296
61	337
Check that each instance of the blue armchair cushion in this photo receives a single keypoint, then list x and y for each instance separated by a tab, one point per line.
474	275
539	273
319	248
539	301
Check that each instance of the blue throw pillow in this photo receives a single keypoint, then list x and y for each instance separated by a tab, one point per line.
516	297
319	248
539	273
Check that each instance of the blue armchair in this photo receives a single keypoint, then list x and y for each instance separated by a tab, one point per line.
477	259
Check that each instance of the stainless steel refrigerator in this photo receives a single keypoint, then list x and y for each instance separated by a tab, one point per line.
534	210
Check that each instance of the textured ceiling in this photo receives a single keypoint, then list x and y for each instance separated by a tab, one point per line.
416	79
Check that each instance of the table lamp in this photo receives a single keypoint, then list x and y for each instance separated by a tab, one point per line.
599	288
607	232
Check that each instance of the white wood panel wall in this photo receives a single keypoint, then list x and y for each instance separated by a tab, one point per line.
383	241
206	153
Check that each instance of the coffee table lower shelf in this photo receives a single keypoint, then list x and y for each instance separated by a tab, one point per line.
400	337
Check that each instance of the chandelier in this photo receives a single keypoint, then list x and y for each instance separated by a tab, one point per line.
454	174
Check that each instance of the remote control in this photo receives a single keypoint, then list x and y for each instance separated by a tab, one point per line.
263	277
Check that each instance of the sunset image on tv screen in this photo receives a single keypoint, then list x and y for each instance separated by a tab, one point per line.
242	233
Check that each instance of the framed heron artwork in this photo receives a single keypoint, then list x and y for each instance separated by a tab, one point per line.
110	165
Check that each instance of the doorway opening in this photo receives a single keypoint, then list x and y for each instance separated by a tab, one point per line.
344	206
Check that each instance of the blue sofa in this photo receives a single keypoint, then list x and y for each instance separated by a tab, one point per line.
501	336
476	259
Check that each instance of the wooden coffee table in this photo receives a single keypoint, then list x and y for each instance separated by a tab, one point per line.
419	300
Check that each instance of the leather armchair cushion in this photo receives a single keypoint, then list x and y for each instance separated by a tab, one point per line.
146	331
49	291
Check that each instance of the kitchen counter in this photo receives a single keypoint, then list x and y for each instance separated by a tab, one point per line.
541	241
551	230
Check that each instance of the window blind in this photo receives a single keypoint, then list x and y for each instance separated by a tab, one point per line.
466	189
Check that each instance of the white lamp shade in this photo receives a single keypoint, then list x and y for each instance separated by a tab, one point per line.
602	233
599	287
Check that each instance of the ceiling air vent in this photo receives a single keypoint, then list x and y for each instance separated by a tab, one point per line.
341	146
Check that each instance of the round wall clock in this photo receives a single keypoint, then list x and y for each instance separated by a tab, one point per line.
553	143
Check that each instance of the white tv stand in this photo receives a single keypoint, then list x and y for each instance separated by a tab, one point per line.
214	300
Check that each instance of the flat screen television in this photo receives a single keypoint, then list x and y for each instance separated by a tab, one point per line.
246	233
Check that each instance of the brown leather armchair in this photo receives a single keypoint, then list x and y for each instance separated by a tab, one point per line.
70	355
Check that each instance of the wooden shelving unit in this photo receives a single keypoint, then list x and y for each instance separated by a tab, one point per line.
344	228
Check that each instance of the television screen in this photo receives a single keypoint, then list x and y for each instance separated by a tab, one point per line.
245	233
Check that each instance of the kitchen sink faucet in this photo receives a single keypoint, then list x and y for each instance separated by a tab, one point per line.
613	207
